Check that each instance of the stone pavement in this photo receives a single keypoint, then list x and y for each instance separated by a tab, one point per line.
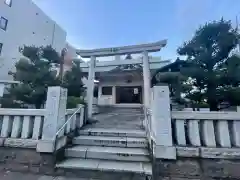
23	176
119	118
7	175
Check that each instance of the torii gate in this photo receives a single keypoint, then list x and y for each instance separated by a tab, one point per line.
116	51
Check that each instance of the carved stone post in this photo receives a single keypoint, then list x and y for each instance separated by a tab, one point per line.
54	118
161	124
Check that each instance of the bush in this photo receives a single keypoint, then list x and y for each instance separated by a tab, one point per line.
200	105
72	102
8	102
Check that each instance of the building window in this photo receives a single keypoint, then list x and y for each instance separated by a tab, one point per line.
3	23
106	90
8	2
1	45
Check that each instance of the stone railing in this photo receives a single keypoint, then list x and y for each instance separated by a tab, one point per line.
21	127
191	133
37	128
206	134
200	144
28	140
58	121
24	127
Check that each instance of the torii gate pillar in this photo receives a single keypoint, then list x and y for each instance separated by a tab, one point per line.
90	85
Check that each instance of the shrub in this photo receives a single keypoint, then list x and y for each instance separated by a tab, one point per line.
72	102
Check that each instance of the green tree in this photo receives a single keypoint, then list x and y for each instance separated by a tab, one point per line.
208	54
229	75
34	73
72	80
171	75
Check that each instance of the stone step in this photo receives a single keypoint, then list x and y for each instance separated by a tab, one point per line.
113	132
110	141
106	165
108	153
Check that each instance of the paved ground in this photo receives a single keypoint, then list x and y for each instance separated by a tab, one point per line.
22	176
27	176
122	118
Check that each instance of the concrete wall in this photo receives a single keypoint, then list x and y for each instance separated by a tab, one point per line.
26	160
27	25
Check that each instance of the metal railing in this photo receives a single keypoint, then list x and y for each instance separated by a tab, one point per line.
64	125
149	123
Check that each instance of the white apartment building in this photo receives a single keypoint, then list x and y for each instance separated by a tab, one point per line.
23	23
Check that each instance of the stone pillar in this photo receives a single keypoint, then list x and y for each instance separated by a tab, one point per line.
146	79
236	130
2	86
117	57
146	84
99	93
90	87
114	95
54	118
161	124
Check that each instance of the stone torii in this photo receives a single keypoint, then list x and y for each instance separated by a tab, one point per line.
116	51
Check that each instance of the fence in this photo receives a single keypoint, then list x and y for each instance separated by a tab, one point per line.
25	127
217	134
209	129
192	133
17	125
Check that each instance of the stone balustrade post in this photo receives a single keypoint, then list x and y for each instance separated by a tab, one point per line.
54	118
161	124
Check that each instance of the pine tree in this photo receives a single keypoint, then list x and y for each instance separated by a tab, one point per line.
209	55
35	74
73	80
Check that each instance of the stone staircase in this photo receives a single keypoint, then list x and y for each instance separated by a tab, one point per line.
109	150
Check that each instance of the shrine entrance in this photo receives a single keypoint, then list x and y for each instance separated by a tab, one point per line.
129	95
121	81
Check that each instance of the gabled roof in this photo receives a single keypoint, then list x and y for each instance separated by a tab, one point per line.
172	67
